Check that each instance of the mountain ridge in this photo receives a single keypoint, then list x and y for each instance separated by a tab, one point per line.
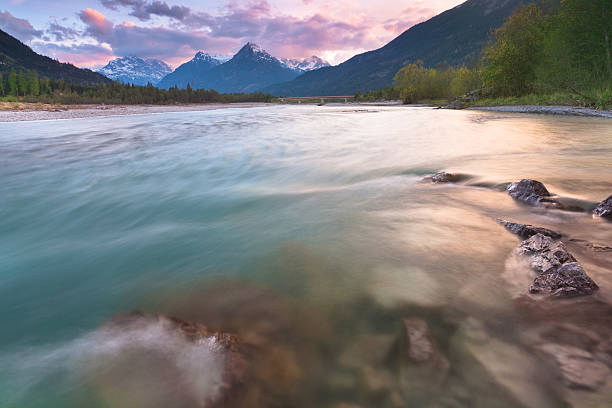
18	56
453	37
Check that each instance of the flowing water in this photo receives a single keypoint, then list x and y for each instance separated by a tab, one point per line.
305	230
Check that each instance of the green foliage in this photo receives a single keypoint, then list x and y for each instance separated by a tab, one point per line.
12	83
1	85
30	88
510	62
416	83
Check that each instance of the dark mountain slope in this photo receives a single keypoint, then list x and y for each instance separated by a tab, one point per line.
251	69
18	56
452	37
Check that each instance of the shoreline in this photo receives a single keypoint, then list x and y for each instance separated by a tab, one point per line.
31	112
557	110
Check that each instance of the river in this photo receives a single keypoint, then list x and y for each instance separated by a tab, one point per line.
307	230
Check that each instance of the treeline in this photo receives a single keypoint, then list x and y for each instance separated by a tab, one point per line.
28	87
561	48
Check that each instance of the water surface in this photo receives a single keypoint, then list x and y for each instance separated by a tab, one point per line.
308	227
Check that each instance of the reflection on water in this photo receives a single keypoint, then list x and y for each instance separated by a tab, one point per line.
307	233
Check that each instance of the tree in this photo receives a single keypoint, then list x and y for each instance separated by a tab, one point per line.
1	84
22	83
511	61
33	84
12	83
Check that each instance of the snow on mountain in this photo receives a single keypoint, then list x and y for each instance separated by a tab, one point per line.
135	70
306	64
191	71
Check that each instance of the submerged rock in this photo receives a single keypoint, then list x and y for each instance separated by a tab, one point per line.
604	209
164	361
527	231
420	362
559	274
533	192
578	367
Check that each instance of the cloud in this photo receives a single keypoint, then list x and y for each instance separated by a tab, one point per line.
143	10
84	55
58	32
97	24
18	27
407	18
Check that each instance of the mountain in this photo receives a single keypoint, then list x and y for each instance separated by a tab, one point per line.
306	64
453	37
189	72
16	55
134	70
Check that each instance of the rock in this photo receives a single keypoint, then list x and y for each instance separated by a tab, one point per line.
559	274
527	231
604	209
444	177
578	368
533	192
421	364
545	254
164	361
457	105
497	373
568	280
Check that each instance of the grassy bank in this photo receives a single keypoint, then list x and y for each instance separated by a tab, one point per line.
598	99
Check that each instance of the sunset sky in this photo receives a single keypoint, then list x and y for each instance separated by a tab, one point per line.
89	33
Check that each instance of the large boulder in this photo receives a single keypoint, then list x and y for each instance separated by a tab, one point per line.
139	359
545	254
567	281
533	192
558	272
604	209
526	231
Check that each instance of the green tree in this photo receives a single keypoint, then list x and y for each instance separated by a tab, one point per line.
12	83
33	84
1	84
22	83
510	62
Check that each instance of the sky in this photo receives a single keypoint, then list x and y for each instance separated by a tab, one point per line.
89	33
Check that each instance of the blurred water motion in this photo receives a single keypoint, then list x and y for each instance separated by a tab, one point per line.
307	233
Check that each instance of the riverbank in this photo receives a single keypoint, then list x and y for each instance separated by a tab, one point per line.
547	110
20	112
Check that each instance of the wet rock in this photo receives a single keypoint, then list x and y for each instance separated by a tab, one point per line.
527	231
559	274
578	368
533	192
166	361
420	362
444	177
545	254
567	281
604	209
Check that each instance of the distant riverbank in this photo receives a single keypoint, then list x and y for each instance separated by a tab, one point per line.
20	112
548	110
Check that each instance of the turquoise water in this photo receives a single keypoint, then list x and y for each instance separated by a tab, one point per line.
105	215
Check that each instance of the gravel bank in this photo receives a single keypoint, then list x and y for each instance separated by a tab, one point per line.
548	110
41	112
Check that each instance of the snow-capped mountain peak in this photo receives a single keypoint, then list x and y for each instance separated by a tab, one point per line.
203	56
136	70
306	64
